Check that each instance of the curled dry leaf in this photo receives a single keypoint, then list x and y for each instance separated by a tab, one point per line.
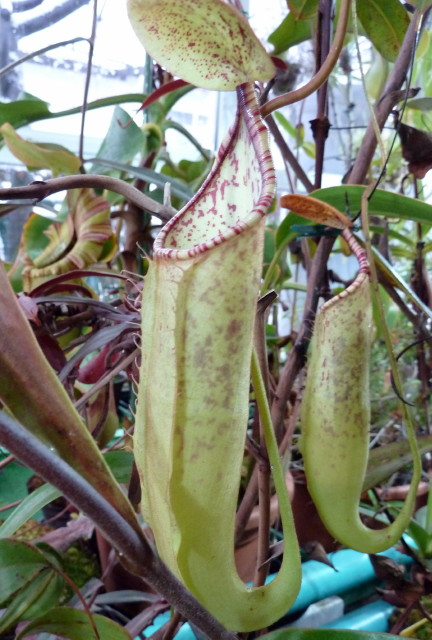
416	149
315	210
207	43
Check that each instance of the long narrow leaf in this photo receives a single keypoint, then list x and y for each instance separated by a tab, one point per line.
153	177
29	506
75	625
23	112
387	459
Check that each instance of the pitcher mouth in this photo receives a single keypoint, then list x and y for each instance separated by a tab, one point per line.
212	217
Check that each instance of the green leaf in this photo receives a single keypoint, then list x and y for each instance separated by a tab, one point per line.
207	43
383	203
171	99
19	562
290	32
387	459
393	278
31	109
75	625
153	177
122	142
22	112
40	594
35	156
29	506
327	634
418	534
421	518
303	8
171	124
120	463
286	124
421	104
385	24
30	584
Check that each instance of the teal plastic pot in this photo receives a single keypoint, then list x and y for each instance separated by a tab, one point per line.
354	571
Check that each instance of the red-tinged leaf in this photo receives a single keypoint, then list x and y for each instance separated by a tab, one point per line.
163	91
279	63
52	351
75	625
33	393
29	307
93	370
46	287
102	418
207	43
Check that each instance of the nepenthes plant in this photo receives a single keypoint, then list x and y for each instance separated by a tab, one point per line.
335	411
198	314
199	308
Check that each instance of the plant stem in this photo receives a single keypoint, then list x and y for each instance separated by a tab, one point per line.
91	42
408	419
40	190
321	125
272	448
321	76
297	356
263	466
133	549
288	154
385	104
10	67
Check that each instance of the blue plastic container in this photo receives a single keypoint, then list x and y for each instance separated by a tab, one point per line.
320	581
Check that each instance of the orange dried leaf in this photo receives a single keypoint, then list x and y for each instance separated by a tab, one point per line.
315	210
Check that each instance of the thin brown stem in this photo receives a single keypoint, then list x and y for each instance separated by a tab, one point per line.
321	76
297	356
385	105
4	463
288	155
91	42
320	126
39	190
133	548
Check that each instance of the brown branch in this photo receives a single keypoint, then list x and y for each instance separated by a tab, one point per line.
91	42
324	72
386	103
288	154
134	550
320	125
39	190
